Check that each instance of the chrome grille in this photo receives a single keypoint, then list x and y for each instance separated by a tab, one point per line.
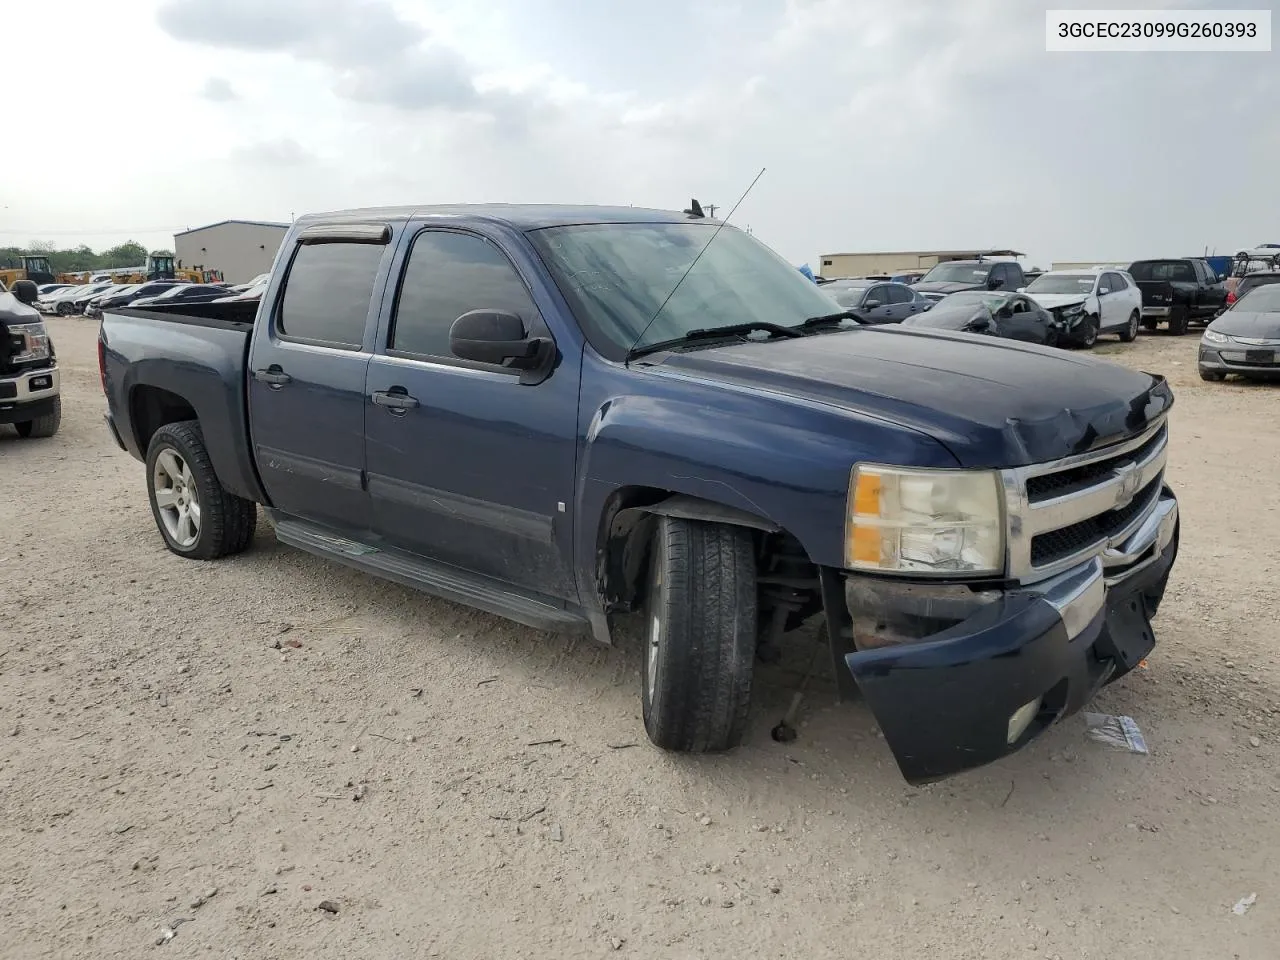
1062	513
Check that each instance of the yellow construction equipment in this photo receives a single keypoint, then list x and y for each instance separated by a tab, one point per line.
35	269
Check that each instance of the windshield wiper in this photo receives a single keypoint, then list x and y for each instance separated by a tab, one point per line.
828	319
715	333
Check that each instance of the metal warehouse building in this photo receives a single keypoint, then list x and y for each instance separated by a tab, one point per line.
836	266
241	249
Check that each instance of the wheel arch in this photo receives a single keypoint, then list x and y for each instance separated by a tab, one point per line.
152	407
625	532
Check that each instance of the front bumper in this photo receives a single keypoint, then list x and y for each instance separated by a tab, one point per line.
1239	358
945	702
28	395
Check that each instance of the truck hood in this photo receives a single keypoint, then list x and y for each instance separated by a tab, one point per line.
992	403
1051	301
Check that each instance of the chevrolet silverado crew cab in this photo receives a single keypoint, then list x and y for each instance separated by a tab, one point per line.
563	414
28	366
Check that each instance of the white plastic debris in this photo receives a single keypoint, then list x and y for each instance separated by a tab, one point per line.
1120	732
1243	904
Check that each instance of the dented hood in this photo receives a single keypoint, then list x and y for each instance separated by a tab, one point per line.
992	403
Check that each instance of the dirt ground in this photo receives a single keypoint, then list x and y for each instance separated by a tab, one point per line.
284	731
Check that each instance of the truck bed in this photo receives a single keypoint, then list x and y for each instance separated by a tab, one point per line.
189	358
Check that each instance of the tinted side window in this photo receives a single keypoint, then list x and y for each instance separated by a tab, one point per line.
899	294
1118	282
327	292
878	293
450	274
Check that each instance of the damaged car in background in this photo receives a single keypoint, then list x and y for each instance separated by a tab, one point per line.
1088	303
651	416
1013	316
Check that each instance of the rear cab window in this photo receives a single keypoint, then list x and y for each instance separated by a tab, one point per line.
327	293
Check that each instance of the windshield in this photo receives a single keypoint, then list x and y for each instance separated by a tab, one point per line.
958	273
616	277
1260	300
1081	283
1163	270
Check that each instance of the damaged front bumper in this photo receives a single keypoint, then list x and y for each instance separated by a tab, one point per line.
958	677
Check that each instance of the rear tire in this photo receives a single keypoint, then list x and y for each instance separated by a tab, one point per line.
1150	325
1130	333
42	427
1178	321
700	629
197	517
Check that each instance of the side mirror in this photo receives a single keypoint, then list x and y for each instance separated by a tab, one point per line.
1103	290
496	337
871	304
978	325
1022	290
25	291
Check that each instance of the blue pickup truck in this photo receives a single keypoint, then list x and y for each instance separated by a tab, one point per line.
566	414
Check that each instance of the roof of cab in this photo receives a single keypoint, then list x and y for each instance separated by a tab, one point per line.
518	215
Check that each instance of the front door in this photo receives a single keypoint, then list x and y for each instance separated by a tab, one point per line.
470	467
306	381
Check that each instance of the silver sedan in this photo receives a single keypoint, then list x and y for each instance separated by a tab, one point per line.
1244	339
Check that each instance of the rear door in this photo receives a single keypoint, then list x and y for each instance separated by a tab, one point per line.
307	371
900	300
478	470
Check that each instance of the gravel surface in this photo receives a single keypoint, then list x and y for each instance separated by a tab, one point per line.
273	756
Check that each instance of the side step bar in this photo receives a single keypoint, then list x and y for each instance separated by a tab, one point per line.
438	579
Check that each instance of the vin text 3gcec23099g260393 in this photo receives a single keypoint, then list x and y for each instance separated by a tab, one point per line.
514	408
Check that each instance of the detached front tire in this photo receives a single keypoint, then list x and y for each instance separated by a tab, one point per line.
197	517
42	427
700	635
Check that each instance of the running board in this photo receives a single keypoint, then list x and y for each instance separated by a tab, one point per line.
438	579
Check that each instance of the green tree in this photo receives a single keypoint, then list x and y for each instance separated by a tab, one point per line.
131	254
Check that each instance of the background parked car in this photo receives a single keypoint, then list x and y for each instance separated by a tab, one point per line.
184	293
1177	291
956	275
48	289
1014	316
79	303
875	302
136	292
63	302
1244	339
1090	302
253	291
93	309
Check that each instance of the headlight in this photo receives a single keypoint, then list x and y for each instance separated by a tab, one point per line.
1213	336
1072	310
924	521
33	340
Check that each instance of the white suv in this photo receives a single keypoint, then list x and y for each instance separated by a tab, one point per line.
1090	302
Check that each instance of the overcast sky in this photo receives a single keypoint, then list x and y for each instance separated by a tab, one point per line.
914	125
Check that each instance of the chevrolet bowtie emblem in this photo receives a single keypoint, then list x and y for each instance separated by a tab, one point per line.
1128	487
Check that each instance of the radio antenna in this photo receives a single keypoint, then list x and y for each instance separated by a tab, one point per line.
689	268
